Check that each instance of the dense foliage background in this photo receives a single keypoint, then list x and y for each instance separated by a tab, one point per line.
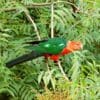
25	20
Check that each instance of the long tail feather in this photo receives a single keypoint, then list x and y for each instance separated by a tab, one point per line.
23	58
36	42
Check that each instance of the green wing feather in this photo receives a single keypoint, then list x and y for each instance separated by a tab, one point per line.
51	46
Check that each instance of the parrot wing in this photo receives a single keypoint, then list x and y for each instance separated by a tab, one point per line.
51	46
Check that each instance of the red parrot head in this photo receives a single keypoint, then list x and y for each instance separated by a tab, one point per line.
74	45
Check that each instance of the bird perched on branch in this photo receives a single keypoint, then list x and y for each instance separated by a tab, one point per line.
52	48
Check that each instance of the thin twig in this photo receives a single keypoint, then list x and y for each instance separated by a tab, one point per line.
52	32
34	5
52	19
33	23
52	35
47	64
62	71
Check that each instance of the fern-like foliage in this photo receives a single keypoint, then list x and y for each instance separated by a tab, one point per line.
24	81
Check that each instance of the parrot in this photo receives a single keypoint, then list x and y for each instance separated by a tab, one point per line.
51	48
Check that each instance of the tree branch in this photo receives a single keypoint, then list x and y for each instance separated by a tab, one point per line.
37	5
52	19
62	71
52	35
33	23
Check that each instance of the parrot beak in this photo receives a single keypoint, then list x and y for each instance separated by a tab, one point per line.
81	46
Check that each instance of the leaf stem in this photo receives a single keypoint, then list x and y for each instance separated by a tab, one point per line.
62	71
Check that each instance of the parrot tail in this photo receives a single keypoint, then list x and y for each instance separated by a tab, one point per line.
23	58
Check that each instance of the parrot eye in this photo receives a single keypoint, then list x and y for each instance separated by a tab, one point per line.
77	44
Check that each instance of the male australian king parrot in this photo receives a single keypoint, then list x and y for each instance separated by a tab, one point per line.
52	48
